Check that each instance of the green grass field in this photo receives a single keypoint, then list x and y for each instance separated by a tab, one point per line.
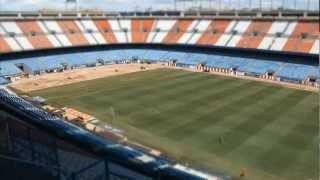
270	131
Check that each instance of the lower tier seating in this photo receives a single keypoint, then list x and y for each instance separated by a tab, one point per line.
73	60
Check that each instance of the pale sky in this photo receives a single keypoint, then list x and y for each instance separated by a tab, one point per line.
130	5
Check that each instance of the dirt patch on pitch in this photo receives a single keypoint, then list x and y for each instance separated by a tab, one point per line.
77	75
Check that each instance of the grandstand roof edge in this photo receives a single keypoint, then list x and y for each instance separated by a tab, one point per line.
163	14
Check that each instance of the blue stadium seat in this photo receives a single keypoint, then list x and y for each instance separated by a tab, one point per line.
260	66
72	59
51	62
3	80
296	71
130	53
156	55
251	65
173	55
8	68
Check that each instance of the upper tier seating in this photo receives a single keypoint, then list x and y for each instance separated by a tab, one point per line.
295	36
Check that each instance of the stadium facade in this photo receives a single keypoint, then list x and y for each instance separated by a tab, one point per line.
294	33
288	32
278	46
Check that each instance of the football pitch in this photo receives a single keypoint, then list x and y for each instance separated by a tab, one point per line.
210	121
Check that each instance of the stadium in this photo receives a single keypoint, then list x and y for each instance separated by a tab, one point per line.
209	89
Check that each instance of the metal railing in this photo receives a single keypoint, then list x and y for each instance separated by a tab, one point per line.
24	147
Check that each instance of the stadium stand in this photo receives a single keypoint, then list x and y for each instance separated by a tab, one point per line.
213	32
106	31
66	151
141	29
119	33
53	63
298	72
41	43
278	35
73	32
299	41
180	28
34	34
12	29
9	69
254	34
55	30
